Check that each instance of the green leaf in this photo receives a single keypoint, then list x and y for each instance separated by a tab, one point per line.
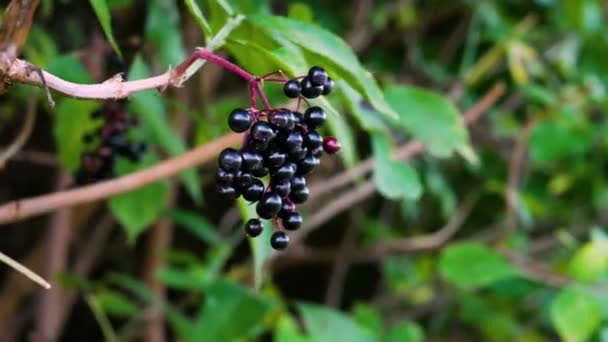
590	263
260	248
430	118
327	325
328	50
194	279
72	122
405	332
103	15
394	179
116	304
162	28
151	108
575	314
368	318
197	14
69	68
230	312
366	116
196	224
471	265
287	331
301	11
136	210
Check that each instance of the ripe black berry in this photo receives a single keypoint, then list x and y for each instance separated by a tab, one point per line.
298	117
270	204
292	89
309	90
308	164
328	86
299	196
314	117
287	208
224	177
312	140
293	221
243	180
275	159
317	76
282	120
256	145
262	131
331	145
298	154
279	240
229	192
284	173
251	160
255	191
298	182
282	189
254	227
230	160
293	141
260	172
239	120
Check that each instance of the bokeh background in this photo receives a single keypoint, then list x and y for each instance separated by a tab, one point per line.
487	223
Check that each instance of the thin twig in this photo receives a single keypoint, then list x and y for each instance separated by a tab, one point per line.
24	134
24	270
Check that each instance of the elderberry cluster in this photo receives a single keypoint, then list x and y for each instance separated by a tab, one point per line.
107	143
282	144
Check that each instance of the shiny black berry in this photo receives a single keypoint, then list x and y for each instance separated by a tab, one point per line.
293	141
239	120
314	117
298	182
313	140
260	172
270	204
293	221
256	145
254	227
243	179
298	118
317	76
230	160
282	120
262	131
229	192
298	154
224	177
255	191
308	164
251	160
292	89
275	159
286	209
282	189
279	241
299	196
328	86
309	90
284	173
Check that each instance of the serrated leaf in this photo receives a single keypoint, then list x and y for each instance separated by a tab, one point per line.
151	108
430	118
575	314
394	179
230	312
327	325
260	246
136	210
103	15
330	51
72	122
471	265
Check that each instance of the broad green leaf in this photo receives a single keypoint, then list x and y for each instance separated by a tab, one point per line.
116	304
151	108
136	210
575	314
192	279
196	224
430	118
328	50
287	331
366	116
394	179
197	14
162	28
369	319
230	312
590	263
405	332
260	246
103	15
327	325
301	11
72	122
471	265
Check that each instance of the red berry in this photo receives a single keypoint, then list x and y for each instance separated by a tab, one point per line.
331	145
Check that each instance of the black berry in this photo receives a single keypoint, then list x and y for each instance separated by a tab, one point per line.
308	164
309	90
293	142
251	160
287	208
261	172
292	221
292	89
299	196
243	180
275	159
298	182
328	86
317	76
229	192
254	227
285	172
224	177
262	131
230	160
313	140
254	192
239	120
270	204
282	189
314	117
279	240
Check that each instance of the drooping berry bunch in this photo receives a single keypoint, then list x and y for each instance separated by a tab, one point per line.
107	143
282	144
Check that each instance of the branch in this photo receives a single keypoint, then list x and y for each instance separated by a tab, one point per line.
24	134
21	209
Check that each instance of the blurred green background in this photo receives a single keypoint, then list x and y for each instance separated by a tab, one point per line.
494	230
